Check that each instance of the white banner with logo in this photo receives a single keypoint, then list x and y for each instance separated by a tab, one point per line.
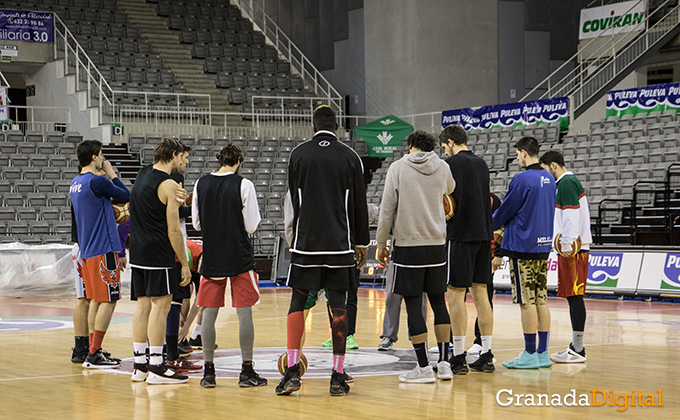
3	104
607	272
660	273
612	19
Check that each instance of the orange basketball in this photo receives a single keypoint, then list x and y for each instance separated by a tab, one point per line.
449	206
575	246
121	211
283	363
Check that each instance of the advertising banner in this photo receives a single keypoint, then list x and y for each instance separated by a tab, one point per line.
616	18
607	271
28	26
660	273
645	99
383	136
544	111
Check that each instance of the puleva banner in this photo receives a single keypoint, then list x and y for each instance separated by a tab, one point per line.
543	111
24	25
645	99
612	19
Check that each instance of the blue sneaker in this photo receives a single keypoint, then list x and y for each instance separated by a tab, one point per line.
523	361
544	359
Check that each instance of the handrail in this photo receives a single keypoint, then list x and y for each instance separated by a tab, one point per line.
624	52
283	44
575	58
3	79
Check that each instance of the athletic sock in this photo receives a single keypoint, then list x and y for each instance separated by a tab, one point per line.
543	337
156	355
96	342
173	350
140	352
458	344
90	337
81	345
197	331
577	340
443	351
530	343
339	363
208	368
293	357
486	343
421	354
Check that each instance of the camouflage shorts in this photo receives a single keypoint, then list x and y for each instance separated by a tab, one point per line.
529	281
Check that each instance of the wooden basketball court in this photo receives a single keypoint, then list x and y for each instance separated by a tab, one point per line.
632	348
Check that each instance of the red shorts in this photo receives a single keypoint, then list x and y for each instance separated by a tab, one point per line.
572	274
102	277
245	291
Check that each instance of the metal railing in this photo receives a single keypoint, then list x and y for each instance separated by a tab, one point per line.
594	72
4	80
298	61
40	118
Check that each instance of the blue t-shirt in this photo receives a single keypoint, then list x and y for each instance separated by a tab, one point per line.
91	197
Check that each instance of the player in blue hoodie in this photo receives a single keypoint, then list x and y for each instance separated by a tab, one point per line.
527	213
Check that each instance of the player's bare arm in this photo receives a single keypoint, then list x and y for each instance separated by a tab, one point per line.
166	193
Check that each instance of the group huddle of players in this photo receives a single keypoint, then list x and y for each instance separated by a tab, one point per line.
326	224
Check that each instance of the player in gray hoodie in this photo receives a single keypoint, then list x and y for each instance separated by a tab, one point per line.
412	209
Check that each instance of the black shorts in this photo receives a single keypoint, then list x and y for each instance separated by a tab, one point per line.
155	282
317	278
469	262
419	269
196	280
183	292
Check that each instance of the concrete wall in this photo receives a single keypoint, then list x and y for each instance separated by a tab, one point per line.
430	55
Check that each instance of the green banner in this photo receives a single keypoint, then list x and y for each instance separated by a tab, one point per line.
383	136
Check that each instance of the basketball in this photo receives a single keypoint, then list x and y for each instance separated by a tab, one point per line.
449	206
121	211
575	246
283	363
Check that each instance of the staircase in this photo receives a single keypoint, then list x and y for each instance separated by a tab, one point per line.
611	62
178	57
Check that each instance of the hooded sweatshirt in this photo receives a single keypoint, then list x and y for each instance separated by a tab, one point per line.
412	206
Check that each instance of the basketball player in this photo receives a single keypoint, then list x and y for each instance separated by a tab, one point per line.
225	210
572	220
411	209
329	222
99	243
155	240
527	213
182	297
469	237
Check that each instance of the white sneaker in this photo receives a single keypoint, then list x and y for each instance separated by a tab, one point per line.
473	353
419	375
444	371
138	374
569	355
163	375
385	344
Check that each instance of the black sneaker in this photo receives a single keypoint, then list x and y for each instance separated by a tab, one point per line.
97	360
459	365
196	342
249	378
348	378
290	381
78	357
339	386
208	380
163	375
484	363
184	348
107	354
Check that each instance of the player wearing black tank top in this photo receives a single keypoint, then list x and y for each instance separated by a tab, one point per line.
155	240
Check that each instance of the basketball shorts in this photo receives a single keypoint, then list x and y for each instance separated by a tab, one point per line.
183	292
102	277
78	265
469	262
572	274
529	281
317	278
245	291
419	269
155	282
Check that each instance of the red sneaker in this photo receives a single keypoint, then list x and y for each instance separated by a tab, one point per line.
182	365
